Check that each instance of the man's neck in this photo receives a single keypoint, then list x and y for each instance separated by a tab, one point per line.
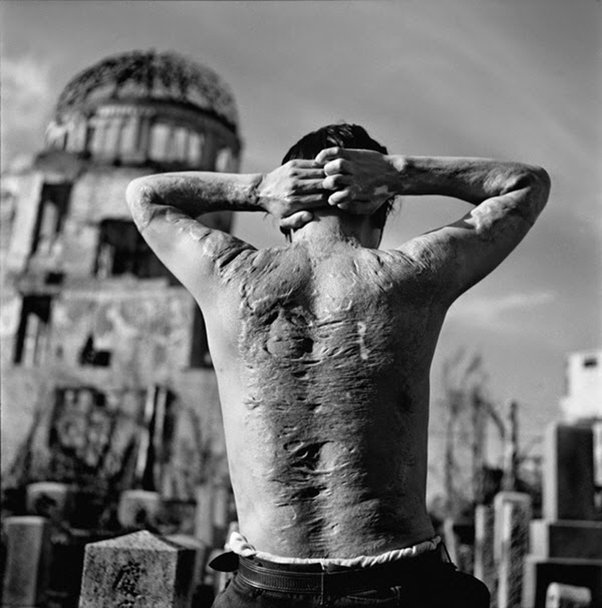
330	227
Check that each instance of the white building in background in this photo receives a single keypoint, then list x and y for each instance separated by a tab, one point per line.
583	397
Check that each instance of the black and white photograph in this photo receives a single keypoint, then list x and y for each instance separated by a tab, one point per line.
301	303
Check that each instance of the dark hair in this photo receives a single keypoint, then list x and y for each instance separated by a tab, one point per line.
343	135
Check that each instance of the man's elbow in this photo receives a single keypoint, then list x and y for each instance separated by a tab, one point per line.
534	182
540	188
542	182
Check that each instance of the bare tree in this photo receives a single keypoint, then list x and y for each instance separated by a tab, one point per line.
469	410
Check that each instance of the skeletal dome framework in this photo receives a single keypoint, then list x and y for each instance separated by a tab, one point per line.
150	76
144	107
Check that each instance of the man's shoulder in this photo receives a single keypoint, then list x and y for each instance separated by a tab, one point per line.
403	262
246	269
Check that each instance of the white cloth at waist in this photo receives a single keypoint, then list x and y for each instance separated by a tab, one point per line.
238	544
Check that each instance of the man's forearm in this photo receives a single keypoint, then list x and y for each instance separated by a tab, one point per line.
192	193
471	179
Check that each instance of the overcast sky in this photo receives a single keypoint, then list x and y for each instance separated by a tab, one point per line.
514	80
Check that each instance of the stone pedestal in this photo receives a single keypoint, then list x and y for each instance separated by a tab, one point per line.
203	526
512	516
138	508
567	596
66	568
49	499
541	572
566	546
140	569
569	490
570	539
212	513
451	542
27	561
201	554
221	514
484	564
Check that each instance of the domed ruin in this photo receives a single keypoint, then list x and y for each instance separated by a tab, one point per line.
108	384
148	108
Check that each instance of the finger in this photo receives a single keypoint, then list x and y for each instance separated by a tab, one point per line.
329	154
357	207
340	196
309	186
354	208
301	173
336	182
303	163
296	220
310	201
339	165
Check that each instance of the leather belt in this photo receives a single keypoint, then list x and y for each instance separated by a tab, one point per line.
271	577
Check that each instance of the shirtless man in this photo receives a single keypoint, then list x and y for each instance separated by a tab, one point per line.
322	350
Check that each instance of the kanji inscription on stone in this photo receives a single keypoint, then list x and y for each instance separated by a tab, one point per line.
139	570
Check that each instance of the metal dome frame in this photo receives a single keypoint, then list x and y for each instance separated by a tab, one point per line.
148	75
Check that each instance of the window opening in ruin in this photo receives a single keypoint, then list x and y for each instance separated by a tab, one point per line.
51	215
129	135
112	136
155	439
199	352
91	355
195	148
32	335
122	250
224	162
96	134
180	144
54	277
160	141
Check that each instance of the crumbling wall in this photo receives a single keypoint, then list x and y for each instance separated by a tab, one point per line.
28	188
113	335
99	442
144	325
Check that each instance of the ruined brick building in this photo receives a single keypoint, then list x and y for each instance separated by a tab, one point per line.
106	378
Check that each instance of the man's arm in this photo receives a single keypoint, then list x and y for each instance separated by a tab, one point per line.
165	208
507	199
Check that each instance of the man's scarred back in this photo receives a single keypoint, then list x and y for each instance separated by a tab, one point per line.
335	345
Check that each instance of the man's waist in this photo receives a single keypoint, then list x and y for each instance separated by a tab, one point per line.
240	545
314	579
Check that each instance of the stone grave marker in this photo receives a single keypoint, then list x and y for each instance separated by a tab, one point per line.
512	517
203	527
569	485
49	499
484	563
138	508
221	514
201	553
566	545
568	596
27	561
450	539
138	570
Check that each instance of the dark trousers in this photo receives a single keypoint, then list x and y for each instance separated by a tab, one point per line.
439	585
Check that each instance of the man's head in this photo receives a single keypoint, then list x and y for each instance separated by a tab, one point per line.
342	135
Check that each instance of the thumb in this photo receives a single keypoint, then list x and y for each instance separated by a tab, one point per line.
296	220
